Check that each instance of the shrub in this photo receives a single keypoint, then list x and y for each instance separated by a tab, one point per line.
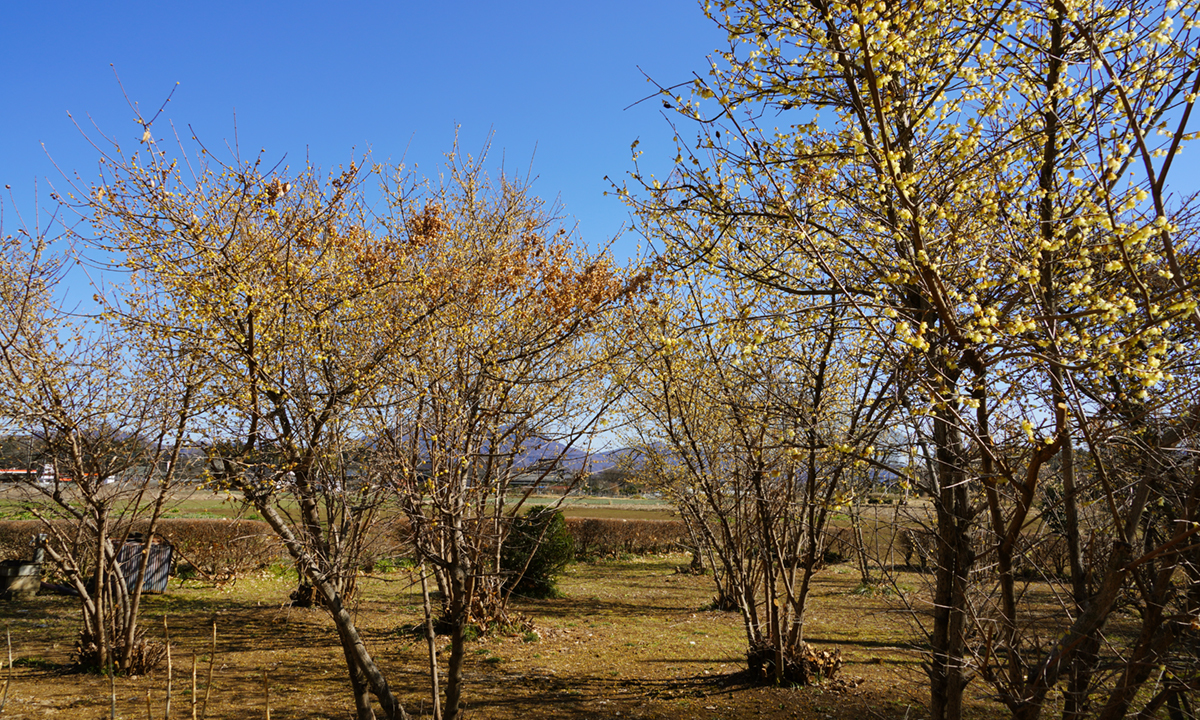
839	546
539	544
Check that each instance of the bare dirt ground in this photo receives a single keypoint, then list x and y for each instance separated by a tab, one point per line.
628	639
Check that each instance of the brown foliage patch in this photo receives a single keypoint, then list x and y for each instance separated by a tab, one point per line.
219	548
16	537
802	664
605	537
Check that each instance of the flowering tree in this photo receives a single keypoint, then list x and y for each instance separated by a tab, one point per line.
754	411
280	286
109	415
363	357
509	378
989	183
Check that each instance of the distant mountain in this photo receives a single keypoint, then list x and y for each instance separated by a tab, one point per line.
536	452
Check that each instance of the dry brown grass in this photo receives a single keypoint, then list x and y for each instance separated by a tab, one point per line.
629	637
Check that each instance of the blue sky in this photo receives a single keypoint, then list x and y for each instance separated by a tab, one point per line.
331	80
550	81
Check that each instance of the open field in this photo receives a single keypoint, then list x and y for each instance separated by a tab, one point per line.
200	503
630	508
185	502
628	639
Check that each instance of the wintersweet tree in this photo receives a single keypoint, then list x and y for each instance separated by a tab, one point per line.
298	305
408	354
108	415
753	411
509	379
989	184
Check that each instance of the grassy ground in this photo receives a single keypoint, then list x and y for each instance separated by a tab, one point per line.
627	639
186	502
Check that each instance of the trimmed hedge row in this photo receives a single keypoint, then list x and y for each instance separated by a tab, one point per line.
215	547
223	548
610	537
606	537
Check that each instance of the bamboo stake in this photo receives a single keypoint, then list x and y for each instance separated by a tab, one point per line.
212	657
167	634
266	695
112	690
149	707
193	686
8	680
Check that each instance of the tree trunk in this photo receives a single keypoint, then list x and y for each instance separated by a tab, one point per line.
103	597
431	639
1083	664
358	684
352	643
947	678
458	625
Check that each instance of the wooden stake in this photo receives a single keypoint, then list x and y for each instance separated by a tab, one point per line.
212	658
149	707
266	695
167	634
8	681
193	686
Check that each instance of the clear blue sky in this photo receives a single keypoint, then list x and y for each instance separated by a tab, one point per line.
330	79
334	79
